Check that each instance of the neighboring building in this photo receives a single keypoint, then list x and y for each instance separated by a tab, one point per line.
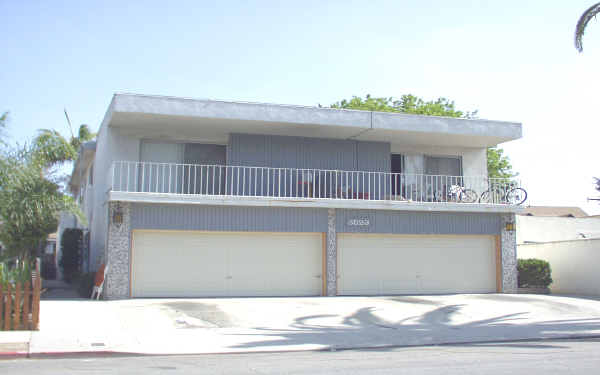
191	198
550	224
81	186
566	238
49	258
553	211
50	246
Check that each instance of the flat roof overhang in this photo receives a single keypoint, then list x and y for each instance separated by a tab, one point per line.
213	121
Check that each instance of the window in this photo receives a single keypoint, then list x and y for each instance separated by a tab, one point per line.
183	168
443	166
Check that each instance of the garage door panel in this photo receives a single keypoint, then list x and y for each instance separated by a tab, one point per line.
403	264
286	267
161	267
198	264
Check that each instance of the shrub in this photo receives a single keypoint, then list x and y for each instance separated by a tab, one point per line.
85	283
70	246
48	267
14	273
534	273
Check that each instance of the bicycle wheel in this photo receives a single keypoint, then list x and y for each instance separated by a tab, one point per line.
485	197
468	196
516	196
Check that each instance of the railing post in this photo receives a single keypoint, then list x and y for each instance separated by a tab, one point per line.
26	305
7	307
1	307
17	314
37	285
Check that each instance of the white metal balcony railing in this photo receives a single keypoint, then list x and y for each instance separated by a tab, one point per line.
231	181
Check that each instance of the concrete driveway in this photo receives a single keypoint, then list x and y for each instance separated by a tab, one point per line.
165	326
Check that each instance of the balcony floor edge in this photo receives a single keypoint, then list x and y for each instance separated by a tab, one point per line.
211	200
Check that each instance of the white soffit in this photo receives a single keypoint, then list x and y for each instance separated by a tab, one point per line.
178	118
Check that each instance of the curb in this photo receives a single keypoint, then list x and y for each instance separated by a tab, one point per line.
13	355
114	354
14	350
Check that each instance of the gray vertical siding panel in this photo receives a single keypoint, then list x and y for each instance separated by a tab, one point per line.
373	156
405	222
301	152
284	219
228	218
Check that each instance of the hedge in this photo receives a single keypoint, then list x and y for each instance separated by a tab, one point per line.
71	243
534	273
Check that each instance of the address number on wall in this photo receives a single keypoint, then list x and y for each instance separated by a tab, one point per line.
358	222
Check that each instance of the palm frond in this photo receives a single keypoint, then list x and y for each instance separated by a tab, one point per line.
52	148
590	13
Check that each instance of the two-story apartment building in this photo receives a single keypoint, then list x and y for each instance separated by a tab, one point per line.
190	198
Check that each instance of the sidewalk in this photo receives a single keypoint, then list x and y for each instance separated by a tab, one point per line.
58	290
14	344
234	325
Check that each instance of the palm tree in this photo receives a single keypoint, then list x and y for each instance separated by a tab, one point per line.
590	13
54	148
30	195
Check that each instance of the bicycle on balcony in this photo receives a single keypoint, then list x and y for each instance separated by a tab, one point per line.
504	194
457	193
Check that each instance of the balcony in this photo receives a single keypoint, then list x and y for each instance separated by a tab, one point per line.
244	185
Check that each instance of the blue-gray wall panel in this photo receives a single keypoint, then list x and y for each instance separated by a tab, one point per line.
286	219
228	218
302	152
405	222
373	156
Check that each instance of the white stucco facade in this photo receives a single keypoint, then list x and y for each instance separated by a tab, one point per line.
130	119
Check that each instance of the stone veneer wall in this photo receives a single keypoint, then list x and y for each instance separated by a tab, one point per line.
117	253
508	245
331	254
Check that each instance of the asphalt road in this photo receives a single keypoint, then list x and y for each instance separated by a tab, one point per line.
542	357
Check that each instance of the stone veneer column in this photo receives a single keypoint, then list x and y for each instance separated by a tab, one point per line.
508	246
331	265
116	285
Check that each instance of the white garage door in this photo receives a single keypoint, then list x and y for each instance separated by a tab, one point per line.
403	264
198	264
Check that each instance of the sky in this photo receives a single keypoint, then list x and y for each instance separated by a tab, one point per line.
510	60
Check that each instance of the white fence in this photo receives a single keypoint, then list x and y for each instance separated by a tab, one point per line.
225	180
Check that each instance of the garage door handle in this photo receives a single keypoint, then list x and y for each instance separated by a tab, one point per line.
318	276
229	277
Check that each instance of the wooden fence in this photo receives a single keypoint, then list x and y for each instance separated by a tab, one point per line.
20	304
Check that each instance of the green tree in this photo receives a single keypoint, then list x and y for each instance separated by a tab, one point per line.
30	200
54	148
498	164
406	104
3	119
582	23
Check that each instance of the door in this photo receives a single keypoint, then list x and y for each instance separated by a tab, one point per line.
415	264
200	264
